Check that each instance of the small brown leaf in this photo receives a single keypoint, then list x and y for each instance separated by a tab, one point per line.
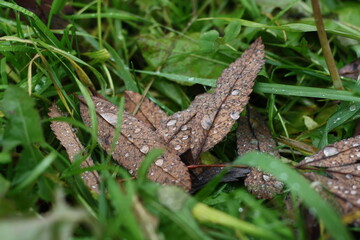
351	70
135	141
68	139
211	116
253	134
341	164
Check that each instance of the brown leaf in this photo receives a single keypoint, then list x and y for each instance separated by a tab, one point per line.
253	135
68	139
341	164
351	70
211	116
135	140
148	112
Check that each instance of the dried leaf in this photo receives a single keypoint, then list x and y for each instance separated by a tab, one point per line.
351	70
211	116
341	164
233	175
135	140
68	139
148	112
253	134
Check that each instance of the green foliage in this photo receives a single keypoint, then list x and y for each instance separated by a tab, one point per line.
171	51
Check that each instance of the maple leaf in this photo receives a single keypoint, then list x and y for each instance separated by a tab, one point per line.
340	161
253	134
68	139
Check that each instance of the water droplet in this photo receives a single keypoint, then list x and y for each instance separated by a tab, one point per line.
337	119
349	176
171	122
144	149
206	122
308	159
354	187
190	79
352	108
98	104
127	155
159	162
177	147
235	115
137	130
266	177
346	192
355	144
240	210
185	137
131	171
330	151
235	92
184	128
352	192
110	118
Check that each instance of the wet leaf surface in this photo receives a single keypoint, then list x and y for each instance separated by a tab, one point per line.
145	110
341	163
211	116
68	139
135	141
254	135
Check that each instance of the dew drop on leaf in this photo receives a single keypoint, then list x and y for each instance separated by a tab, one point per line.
171	122
352	108
235	92
235	115
330	151
144	149
159	162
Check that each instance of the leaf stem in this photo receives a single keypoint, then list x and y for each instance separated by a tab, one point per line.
325	45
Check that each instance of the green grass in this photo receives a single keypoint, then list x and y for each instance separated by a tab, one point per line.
176	49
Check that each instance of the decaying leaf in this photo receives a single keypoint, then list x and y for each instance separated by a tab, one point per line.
351	70
68	139
135	141
198	128
148	112
211	116
341	163
233	175
253	134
